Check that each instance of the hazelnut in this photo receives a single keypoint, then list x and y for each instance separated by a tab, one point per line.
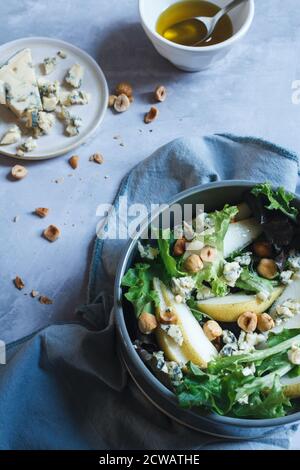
263	249
167	316
179	247
122	103
51	233
19	283
151	115
160	93
111	100
267	268
208	254
147	323
34	293
193	264
212	330
265	322
74	160
248	322
41	212
124	88
97	158
45	300
19	172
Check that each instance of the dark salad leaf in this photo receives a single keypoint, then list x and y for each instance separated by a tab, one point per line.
273	210
276	199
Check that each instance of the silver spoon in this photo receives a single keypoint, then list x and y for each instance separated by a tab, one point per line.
211	22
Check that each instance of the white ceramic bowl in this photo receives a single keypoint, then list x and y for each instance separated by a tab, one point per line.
194	59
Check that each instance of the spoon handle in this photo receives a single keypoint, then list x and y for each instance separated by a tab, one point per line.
227	8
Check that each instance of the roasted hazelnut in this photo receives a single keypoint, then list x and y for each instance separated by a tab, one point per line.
51	233
267	268
168	316
111	100
19	283
160	93
74	161
212	330
41	212
248	322
263	249
124	88
151	115
45	300
179	247
265	322
193	264
122	103
97	158
19	172
147	323
208	254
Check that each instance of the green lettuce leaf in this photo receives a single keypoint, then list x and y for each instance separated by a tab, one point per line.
250	281
278	199
164	242
140	293
220	221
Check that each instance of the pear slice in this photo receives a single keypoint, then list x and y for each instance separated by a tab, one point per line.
241	234
229	308
196	347
291	386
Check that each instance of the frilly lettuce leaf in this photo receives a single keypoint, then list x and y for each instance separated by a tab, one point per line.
278	199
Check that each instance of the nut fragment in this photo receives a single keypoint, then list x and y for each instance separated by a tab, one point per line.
19	283
179	247
167	316
160	93
34	293
52	233
248	322
147	323
212	330
151	115
74	161
124	88
111	100
208	254
267	268
193	264
263	249
19	172
42	212
45	300
97	158
265	322
122	103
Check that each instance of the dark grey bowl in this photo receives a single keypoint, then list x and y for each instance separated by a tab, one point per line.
213	196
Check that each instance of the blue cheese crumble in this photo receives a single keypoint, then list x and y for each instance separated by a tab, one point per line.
74	76
174	332
49	65
183	286
231	273
11	136
147	251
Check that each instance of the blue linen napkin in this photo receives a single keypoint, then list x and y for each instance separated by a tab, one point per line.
65	387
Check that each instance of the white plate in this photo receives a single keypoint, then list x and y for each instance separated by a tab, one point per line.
94	82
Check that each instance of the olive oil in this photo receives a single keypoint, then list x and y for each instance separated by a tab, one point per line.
176	25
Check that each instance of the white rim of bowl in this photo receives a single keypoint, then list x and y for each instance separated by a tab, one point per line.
242	31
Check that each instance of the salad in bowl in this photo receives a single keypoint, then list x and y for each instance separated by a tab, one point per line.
217	307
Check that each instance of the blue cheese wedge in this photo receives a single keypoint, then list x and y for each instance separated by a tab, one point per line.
49	65
75	97
18	84
74	76
28	146
11	136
